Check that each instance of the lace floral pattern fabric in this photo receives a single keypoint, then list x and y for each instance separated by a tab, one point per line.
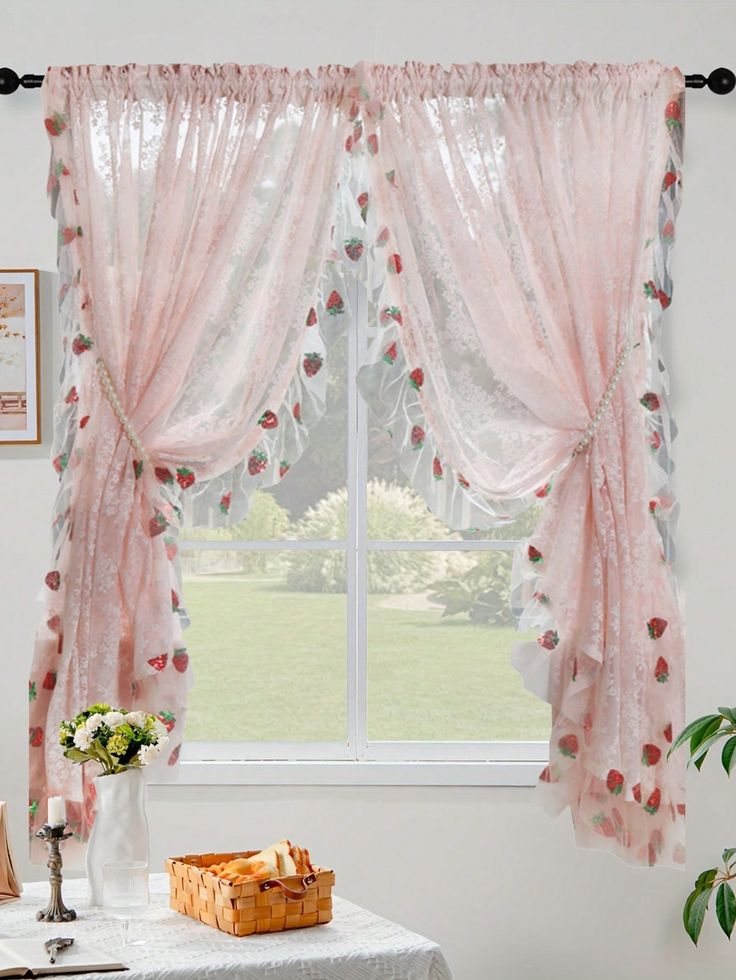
512	228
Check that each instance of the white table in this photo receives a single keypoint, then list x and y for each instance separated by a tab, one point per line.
356	945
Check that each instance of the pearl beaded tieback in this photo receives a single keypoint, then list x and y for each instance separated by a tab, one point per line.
605	400
111	395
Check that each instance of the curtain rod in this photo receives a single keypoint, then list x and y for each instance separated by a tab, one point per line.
721	81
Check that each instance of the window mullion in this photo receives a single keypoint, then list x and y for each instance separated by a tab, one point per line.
360	510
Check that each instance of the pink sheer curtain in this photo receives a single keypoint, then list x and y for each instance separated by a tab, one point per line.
526	212
194	210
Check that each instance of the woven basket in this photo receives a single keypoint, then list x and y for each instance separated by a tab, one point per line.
253	906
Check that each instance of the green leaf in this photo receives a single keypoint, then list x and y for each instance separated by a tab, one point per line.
694	912
76	755
698	756
727	757
693	728
728	854
726	907
705	733
729	713
705	879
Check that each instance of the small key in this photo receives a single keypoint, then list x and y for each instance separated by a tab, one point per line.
55	946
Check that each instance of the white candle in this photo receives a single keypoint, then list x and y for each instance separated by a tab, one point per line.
57	811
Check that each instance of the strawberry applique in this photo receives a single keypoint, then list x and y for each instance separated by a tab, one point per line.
354	248
656	627
257	462
284	467
53	580
667	732
543	491
614	782
158	663
668	232
49	681
550	774
72	395
542	598
80	344
437	472
534	555
670	178
549	639
390	354
383	236
394	263
164	475
225	501
652	804
174	757
174	601
138	468
655	441
349	144
636	792
603	825
167	719
269	420
67	235
569	746
83	421
661	671
35	737
312	364
357	132
416	378
650	289
417	436
334	304
311	317
650	401
363	204
463	482
55	125
672	114
157	524
650	754
297	412
663	298
60	462
391	314
184	477
172	549
54	623
372	142
32	693
390	176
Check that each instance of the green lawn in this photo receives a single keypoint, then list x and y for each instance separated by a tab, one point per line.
270	665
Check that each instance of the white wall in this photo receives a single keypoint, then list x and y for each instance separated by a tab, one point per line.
522	902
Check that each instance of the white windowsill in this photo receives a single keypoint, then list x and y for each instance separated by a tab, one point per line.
352	773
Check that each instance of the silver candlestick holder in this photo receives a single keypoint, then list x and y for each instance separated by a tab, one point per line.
55	911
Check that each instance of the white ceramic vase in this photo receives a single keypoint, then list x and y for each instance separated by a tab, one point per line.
120	830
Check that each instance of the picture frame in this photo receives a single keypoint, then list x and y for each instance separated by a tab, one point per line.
20	361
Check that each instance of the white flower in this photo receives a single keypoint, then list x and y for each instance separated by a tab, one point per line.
113	718
161	731
82	739
149	753
93	723
136	718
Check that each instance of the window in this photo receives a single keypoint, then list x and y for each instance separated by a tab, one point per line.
341	621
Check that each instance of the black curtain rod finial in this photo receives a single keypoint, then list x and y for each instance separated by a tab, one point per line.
721	81
10	82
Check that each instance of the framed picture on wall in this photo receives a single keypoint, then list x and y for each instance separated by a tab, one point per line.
20	419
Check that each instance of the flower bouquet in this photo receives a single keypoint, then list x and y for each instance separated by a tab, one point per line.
116	738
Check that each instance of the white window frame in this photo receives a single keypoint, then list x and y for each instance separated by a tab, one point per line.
359	761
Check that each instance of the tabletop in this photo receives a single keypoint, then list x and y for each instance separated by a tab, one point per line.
356	945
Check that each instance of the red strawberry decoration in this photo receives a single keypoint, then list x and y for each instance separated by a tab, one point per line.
60	462
83	421
312	364
55	125
334	304
651	754
390	176
390	354
49	681
383	235
668	732
656	627
157	525
225	500
391	314
437	472
650	401
534	554
354	249
363	204
158	663
416	378
164	475
67	235
80	344
54	623
614	782
650	289
167	719
138	468
174	757
668	231
542	598
463	482
394	263
171	547
549	639
357	131
184	477
53	581
568	746
311	317
257	462
72	395
174	601
672	114
297	412
681	809
636	792
417	436
372	142
35	737
284	467
604	825
550	774
349	144
663	298
652	804
655	441
543	491
670	178
661	671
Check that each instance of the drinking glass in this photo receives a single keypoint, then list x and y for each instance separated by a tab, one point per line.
125	894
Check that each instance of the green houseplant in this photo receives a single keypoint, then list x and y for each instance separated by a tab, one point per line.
703	734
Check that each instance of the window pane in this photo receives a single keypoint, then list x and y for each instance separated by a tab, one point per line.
269	656
446	677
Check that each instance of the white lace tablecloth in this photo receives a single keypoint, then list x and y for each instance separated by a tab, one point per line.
356	945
